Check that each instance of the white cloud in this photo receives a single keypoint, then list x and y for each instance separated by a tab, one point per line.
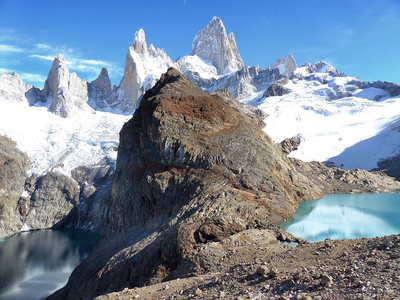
90	67
3	70
10	48
30	77
45	57
43	46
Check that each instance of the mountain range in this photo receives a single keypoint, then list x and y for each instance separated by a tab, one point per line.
72	126
208	162
294	98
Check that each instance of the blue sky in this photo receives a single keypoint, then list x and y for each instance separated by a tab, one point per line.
360	38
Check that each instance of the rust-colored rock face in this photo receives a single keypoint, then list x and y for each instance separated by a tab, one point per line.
193	170
183	138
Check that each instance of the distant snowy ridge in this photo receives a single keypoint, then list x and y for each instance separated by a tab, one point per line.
339	119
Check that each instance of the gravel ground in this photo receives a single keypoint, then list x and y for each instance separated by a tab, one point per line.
333	269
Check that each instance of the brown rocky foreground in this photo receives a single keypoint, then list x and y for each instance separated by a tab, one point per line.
333	269
198	189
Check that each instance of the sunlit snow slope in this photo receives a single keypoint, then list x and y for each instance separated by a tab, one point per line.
55	143
354	131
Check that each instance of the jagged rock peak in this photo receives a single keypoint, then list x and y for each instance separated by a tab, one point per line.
143	67
66	91
215	46
139	42
103	77
286	65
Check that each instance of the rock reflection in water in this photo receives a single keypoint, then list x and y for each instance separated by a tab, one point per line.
346	217
35	264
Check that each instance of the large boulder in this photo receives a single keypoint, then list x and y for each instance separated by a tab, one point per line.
53	198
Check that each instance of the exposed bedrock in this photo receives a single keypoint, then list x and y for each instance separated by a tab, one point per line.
192	171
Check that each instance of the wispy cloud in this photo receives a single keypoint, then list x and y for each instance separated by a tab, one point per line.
3	70
15	50
45	57
89	67
30	77
10	49
43	46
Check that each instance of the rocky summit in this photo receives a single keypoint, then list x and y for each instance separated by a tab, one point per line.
184	190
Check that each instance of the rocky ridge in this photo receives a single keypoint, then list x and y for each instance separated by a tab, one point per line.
181	188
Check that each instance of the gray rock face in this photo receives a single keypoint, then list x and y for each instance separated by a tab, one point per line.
101	92
286	65
95	195
215	46
275	89
53	199
66	91
13	167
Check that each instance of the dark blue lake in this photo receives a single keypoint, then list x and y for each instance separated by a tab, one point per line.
346	217
35	264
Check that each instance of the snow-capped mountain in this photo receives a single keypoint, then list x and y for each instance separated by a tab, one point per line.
213	45
143	67
65	91
338	118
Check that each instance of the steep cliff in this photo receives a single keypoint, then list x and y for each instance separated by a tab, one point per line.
66	91
13	167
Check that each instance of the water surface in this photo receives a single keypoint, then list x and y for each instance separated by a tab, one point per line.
346	217
35	264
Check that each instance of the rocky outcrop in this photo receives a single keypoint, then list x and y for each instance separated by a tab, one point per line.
290	144
286	65
215	46
101	93
275	89
183	185
13	168
390	165
53	197
66	91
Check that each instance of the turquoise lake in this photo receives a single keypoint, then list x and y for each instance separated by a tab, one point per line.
346	217
35	264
